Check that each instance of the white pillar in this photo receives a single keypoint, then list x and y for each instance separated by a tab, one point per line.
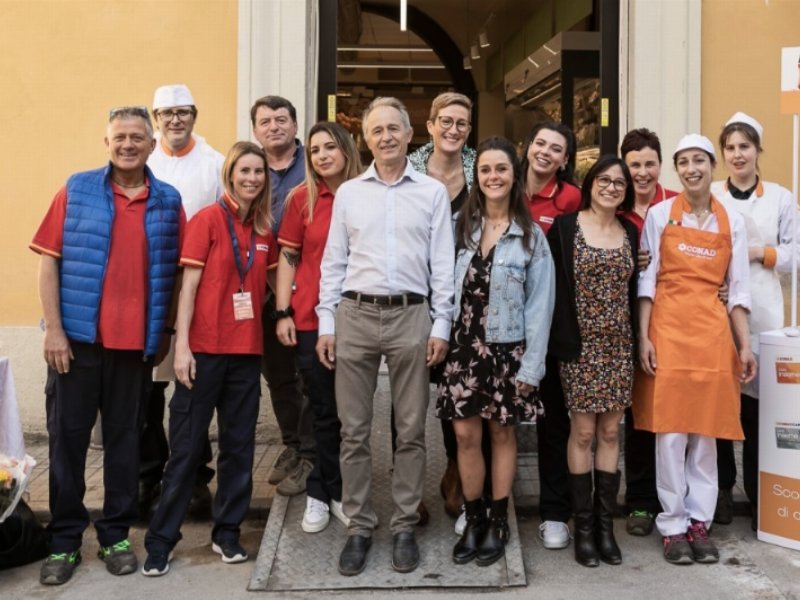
277	56
663	71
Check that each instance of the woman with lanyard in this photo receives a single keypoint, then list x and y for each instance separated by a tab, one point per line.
504	302
641	151
769	213
547	176
594	251
331	159
448	159
226	254
688	393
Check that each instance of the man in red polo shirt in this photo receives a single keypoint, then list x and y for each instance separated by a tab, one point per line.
109	248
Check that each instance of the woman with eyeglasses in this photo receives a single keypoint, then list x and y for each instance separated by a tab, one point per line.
592	335
448	159
547	171
770	217
331	159
226	256
504	299
692	363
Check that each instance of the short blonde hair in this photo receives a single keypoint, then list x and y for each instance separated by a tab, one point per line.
447	99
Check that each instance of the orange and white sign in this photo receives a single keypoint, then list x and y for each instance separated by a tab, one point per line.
779	505
779	439
790	80
787	372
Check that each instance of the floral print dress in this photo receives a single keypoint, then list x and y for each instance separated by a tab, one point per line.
601	380
478	377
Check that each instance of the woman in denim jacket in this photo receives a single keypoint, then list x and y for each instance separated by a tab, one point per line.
505	290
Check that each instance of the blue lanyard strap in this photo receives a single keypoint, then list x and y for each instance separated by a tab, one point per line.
236	253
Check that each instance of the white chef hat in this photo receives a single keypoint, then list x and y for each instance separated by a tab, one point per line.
741	117
695	140
168	96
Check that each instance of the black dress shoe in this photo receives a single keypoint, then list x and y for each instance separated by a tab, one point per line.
353	558
405	553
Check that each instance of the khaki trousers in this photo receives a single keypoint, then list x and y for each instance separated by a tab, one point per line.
364	333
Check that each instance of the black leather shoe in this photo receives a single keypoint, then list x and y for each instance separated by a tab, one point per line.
467	547
405	553
353	558
493	545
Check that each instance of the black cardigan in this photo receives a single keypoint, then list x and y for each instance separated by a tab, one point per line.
565	335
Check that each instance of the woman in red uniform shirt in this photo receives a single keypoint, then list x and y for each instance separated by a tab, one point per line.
547	175
226	254
331	159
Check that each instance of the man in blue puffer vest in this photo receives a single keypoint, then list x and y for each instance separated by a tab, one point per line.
109	248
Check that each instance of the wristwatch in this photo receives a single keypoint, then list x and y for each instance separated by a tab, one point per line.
277	315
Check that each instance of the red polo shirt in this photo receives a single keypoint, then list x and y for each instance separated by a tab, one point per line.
551	201
208	245
661	195
309	238
123	304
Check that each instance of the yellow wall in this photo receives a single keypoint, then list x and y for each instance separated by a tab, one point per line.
742	40
63	64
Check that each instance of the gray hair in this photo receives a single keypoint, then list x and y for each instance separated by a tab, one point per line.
386	101
131	112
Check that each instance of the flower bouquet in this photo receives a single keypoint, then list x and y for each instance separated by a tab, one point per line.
14	478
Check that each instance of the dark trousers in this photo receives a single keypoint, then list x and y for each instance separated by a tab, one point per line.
291	407
229	383
726	464
153	446
325	480
640	468
113	382
552	433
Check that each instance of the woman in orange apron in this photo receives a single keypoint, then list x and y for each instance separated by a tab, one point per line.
688	392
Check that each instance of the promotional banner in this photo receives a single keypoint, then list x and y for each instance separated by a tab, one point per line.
779	439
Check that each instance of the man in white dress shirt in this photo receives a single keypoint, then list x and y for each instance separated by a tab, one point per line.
390	249
184	160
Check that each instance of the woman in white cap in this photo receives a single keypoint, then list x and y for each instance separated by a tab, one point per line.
688	393
770	215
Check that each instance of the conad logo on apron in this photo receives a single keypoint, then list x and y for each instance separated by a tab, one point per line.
697	251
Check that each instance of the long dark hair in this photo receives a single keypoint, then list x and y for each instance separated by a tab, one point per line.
474	208
567	175
603	164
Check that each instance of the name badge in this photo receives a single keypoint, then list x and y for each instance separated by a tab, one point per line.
547	219
242	306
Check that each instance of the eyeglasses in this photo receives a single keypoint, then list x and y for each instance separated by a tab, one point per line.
128	111
181	113
603	181
448	122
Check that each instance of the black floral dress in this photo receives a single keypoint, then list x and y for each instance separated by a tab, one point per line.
479	377
601	380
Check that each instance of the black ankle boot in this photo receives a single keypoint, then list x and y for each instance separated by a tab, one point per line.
605	503
466	548
493	545
581	494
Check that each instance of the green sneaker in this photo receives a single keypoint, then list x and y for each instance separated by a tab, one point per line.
58	568
119	558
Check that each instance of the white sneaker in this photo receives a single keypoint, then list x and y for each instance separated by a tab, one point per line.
316	516
461	522
554	534
338	511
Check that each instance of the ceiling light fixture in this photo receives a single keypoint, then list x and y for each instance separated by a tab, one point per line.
483	40
403	15
467	63
474	52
